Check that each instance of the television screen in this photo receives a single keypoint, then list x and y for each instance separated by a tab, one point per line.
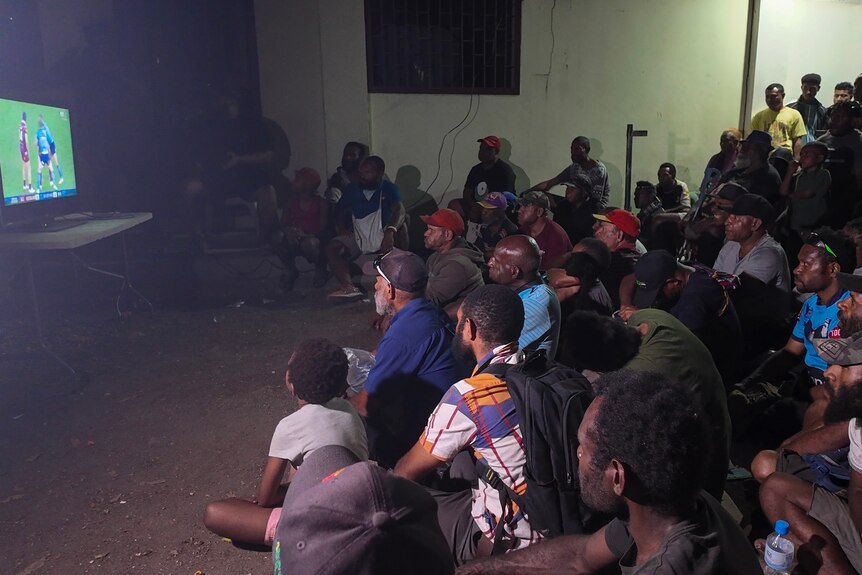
36	160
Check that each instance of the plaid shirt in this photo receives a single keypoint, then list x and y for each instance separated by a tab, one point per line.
478	411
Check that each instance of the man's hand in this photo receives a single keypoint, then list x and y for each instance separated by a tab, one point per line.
388	241
380	322
626	312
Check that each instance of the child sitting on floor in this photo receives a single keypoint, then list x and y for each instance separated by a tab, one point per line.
317	376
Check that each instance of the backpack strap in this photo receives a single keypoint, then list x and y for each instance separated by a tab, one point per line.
491	477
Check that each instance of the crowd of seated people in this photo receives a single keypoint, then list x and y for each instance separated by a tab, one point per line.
719	315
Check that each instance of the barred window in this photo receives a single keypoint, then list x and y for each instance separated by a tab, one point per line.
443	46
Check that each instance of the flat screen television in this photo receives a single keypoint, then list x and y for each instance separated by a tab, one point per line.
37	162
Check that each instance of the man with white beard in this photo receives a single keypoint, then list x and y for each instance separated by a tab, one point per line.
752	170
414	364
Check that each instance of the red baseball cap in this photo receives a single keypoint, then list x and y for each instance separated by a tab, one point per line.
626	221
446	218
491	141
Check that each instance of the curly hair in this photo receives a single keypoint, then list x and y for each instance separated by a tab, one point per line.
317	370
652	426
597	342
497	311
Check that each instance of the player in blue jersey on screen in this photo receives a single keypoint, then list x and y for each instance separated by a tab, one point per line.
53	145
24	147
44	148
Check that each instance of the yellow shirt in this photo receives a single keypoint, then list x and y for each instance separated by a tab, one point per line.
783	125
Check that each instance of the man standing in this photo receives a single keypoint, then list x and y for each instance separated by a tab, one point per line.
619	230
477	413
785	125
582	164
816	515
753	171
649	475
414	364
843	92
534	220
491	174
846	141
515	264
813	113
454	267
377	214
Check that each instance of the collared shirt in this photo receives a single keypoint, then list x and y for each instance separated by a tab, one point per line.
479	412
814	115
541	319
416	345
818	321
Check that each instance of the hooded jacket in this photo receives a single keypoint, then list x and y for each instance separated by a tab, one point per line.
454	273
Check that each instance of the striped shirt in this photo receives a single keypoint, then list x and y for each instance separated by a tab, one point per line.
478	411
541	320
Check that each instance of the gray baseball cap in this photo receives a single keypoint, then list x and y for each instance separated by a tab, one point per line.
843	351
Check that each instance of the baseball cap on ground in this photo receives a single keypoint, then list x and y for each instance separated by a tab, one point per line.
626	221
651	272
840	351
346	516
491	142
535	199
446	218
760	138
754	206
494	200
405	271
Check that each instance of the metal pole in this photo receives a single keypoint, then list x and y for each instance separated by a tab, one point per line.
631	133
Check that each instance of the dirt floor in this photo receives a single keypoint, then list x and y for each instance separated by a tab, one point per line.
174	409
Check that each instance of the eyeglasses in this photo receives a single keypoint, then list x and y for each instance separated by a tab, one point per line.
815	240
377	262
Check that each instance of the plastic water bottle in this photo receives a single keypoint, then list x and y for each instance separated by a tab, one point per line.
778	554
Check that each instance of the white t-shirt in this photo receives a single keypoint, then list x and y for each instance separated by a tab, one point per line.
313	426
855	455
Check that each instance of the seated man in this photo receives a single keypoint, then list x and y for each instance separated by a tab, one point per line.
303	225
491	174
762	299
348	172
753	170
674	195
477	413
817	435
377	216
582	164
343	515
454	267
574	213
823	256
534	221
697	298
496	225
515	264
414	364
649	204
728	145
619	230
823	520
650	476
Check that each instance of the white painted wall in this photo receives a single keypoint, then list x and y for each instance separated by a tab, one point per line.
796	37
673	67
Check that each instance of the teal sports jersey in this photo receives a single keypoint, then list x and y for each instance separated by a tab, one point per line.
817	321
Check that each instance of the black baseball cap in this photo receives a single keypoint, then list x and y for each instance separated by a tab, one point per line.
652	270
754	206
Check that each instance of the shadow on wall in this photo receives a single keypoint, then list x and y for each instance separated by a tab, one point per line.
615	175
522	180
417	202
683	174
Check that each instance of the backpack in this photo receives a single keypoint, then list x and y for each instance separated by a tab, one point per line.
550	400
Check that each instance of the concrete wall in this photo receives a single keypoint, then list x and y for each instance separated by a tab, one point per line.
589	67
796	37
312	75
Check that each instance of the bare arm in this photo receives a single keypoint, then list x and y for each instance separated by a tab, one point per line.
572	554
785	189
627	290
797	147
360	403
417	463
823	438
546	185
270	493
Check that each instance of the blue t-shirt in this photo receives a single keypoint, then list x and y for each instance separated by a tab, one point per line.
354	199
417	346
541	319
817	321
42	141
